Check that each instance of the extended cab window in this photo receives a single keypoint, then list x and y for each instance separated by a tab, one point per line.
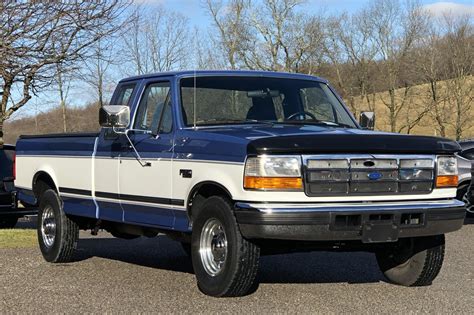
124	96
154	112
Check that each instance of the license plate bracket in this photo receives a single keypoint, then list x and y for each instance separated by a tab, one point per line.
378	232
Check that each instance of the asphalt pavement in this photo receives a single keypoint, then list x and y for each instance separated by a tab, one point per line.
155	276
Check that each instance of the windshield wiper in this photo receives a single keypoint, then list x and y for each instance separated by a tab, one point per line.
315	122
232	121
337	124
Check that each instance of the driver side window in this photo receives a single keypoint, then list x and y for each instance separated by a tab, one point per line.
154	111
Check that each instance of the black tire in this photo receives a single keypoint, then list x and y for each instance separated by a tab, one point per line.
240	266
66	232
8	222
413	262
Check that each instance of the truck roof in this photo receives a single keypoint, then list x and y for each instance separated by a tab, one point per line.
246	73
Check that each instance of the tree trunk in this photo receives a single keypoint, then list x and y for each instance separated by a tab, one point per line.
392	115
63	106
62	101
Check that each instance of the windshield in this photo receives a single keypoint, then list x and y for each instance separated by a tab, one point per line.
239	100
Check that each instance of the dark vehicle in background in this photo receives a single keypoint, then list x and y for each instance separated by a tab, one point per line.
466	165
9	211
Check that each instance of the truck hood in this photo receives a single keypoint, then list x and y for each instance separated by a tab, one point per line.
309	139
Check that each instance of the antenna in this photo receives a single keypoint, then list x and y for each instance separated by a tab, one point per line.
194	89
194	100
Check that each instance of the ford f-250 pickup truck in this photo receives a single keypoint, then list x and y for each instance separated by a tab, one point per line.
238	164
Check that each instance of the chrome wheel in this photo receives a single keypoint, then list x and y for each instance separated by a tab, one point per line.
466	200
213	247
48	226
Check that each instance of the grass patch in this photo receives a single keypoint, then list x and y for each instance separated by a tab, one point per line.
16	238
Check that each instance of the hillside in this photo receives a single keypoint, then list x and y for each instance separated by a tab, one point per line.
416	100
78	119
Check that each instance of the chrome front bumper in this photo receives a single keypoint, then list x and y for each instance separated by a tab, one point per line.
366	221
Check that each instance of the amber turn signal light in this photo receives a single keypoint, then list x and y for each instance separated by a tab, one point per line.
444	181
262	183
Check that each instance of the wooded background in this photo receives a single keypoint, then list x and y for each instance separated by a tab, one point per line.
412	67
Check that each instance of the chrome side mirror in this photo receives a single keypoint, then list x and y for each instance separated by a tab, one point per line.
114	116
367	120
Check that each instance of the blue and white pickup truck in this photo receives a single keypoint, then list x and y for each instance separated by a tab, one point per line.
235	164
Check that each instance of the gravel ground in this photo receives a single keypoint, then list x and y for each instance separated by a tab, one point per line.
154	275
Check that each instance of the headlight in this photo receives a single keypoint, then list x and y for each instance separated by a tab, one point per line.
273	173
447	172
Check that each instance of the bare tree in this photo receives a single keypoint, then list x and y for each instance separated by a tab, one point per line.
230	23
430	65
157	41
397	28
96	68
63	90
459	58
37	35
280	38
350	47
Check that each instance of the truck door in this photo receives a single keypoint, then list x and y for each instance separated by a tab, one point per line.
106	162
145	179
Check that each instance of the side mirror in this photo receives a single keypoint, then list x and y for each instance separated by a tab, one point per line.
367	120
114	116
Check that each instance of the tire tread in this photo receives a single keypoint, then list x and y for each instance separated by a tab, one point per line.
67	236
432	266
248	253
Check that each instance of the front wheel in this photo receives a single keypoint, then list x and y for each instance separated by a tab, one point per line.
57	234
414	261
224	262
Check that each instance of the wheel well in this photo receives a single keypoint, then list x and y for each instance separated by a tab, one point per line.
42	182
460	190
205	190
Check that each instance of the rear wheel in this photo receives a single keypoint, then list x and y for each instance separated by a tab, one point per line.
57	234
8	222
224	262
414	261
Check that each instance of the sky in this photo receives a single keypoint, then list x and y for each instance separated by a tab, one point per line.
194	10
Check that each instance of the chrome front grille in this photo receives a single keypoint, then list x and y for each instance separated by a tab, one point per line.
368	175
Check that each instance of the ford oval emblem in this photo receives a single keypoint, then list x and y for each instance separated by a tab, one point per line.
374	175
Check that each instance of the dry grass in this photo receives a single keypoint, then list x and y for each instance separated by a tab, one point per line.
18	238
417	100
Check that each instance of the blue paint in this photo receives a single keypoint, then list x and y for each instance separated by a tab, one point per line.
243	73
151	215
27	196
110	211
181	222
79	206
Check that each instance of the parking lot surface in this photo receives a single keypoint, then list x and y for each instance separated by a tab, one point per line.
154	275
